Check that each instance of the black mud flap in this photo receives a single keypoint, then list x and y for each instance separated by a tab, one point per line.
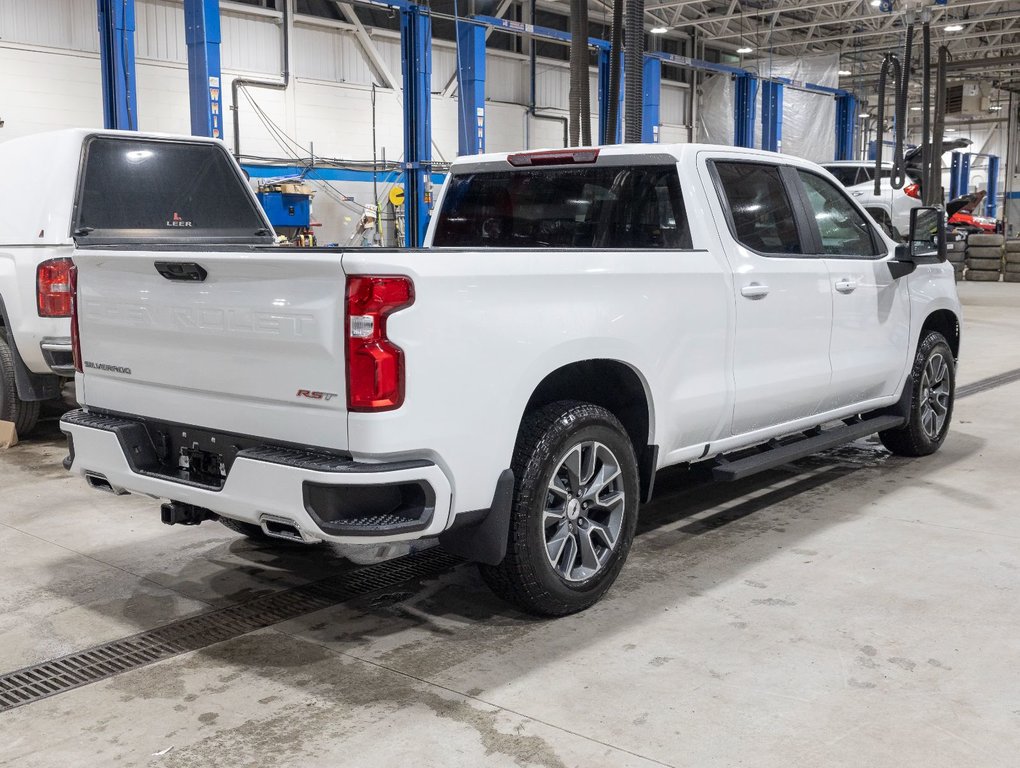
481	536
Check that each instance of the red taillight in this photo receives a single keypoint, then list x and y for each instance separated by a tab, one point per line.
913	190
553	157
72	279
375	366
53	288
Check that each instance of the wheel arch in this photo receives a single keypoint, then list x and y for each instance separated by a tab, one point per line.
946	322
615	386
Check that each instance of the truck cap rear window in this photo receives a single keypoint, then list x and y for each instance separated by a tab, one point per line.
137	190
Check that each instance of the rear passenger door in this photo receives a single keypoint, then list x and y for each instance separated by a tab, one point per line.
781	290
870	310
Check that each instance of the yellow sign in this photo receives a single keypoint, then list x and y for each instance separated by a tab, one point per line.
397	195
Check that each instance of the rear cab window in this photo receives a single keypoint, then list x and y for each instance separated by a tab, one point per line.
759	210
565	207
146	190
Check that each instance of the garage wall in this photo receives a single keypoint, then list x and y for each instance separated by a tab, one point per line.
50	79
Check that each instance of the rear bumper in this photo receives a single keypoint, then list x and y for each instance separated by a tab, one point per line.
56	351
325	497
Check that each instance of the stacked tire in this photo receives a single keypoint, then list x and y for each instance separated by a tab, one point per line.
956	250
984	257
1012	273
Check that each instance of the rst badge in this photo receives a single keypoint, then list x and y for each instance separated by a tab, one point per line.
312	395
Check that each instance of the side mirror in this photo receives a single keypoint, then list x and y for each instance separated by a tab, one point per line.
927	240
927	233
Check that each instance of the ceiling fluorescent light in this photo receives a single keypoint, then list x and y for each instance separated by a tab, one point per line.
954	28
659	30
745	49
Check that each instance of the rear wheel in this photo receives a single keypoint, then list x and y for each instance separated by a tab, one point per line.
933	390
574	510
23	413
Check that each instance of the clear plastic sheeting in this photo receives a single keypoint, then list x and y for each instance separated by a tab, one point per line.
809	119
715	110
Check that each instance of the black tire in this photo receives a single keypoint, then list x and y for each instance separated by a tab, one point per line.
984	239
250	530
988	265
984	252
982	276
24	414
918	437
528	576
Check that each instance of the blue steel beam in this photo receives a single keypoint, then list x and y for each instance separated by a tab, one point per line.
416	66
509	25
964	172
470	88
772	116
650	98
993	185
117	63
202	34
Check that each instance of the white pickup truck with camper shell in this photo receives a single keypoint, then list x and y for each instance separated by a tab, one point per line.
578	320
35	265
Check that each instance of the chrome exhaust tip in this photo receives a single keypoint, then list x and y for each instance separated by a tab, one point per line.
282	528
100	483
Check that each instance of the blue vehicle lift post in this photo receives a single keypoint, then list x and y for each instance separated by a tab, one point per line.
771	115
993	185
117	62
964	172
470	88
954	175
416	66
846	126
202	34
745	88
650	98
604	97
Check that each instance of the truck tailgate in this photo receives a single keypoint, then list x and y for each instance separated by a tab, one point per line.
254	348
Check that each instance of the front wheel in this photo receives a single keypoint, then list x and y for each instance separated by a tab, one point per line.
574	510
933	390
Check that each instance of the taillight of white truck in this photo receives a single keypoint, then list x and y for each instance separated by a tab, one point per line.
53	288
375	365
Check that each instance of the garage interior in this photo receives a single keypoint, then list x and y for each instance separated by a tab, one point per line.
847	609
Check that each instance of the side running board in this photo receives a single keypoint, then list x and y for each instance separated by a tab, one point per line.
770	458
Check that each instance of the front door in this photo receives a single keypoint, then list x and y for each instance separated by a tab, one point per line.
870	310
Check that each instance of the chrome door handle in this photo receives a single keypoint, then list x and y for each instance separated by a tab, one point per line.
754	291
846	286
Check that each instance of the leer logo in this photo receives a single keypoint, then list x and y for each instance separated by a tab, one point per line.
177	221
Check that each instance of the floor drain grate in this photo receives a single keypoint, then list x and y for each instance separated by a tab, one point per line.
991	382
62	674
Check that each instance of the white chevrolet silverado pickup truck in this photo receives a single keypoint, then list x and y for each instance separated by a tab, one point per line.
579	320
35	264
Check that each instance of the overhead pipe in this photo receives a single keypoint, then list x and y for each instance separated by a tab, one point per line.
934	180
926	186
890	65
574	94
277	85
633	69
615	51
532	103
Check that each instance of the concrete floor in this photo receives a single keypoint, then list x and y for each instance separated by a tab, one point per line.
855	610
